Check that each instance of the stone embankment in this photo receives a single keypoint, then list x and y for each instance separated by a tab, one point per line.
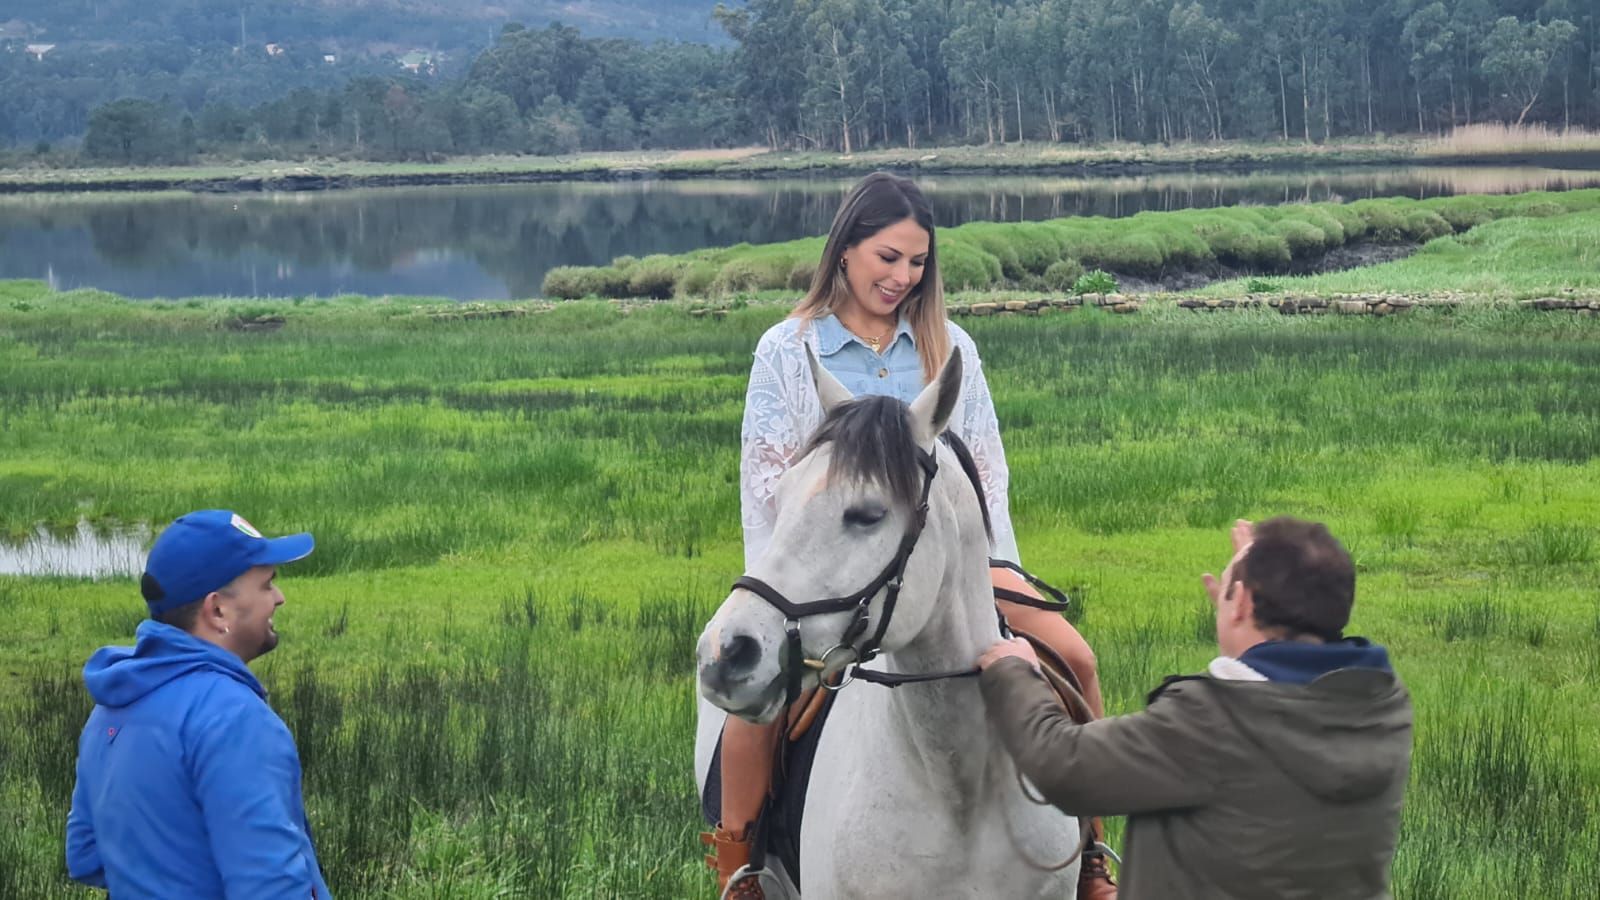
1117	303
1383	304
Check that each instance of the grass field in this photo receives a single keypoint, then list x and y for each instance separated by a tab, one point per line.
1516	257
522	524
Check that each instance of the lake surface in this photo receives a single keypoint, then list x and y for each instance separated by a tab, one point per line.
497	241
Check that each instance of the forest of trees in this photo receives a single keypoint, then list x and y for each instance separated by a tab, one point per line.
548	91
854	73
841	74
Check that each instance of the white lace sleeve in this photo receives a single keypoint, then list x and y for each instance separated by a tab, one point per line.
979	428
781	409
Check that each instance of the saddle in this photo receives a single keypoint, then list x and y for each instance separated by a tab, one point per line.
1056	671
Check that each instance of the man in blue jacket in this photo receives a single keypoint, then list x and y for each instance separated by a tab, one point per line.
188	782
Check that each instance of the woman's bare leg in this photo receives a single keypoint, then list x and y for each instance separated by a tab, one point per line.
1057	633
746	770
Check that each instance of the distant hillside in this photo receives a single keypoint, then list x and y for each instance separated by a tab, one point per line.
215	60
347	25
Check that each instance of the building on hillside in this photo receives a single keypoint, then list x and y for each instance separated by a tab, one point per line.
329	58
38	51
420	62
274	49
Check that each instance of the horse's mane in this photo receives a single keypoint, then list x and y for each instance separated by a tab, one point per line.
872	441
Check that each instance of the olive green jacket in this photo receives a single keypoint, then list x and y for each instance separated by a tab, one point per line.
1232	789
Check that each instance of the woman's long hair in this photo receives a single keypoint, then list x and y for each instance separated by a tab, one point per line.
876	202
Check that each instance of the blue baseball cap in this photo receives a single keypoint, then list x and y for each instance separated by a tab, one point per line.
203	551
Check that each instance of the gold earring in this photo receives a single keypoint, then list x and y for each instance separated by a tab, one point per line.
226	630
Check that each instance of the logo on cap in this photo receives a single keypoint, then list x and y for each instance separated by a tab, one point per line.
246	527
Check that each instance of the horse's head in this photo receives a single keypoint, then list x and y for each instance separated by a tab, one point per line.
848	530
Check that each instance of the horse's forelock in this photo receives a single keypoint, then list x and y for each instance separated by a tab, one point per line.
873	441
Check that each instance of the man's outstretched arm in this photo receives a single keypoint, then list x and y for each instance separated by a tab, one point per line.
1152	760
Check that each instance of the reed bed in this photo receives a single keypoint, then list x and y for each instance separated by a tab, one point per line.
1499	138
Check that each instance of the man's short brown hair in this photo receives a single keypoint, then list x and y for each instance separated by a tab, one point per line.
1301	578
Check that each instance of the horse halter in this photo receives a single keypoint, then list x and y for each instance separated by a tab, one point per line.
889	581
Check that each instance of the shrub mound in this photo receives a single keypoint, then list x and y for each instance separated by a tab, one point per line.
1055	254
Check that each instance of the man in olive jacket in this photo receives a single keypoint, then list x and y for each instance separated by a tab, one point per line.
1279	772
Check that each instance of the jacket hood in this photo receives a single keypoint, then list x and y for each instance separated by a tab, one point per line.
1302	663
1344	734
120	676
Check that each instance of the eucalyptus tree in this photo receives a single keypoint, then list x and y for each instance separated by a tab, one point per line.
1202	42
972	56
1428	39
768	66
838	62
1518	56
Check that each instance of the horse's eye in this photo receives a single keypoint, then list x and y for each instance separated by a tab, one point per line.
861	516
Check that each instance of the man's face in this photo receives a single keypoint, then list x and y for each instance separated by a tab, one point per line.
251	599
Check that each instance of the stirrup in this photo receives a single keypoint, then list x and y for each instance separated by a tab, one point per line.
748	870
1105	848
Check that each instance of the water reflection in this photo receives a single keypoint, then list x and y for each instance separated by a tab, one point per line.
497	241
85	553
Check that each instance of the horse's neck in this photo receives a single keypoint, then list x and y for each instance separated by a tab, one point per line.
941	723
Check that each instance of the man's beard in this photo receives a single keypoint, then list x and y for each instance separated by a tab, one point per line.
268	643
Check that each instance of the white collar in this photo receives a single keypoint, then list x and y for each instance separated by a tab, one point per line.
1226	668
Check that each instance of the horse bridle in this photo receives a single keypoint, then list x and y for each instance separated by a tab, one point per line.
889	580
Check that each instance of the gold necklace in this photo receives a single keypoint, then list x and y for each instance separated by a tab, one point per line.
876	343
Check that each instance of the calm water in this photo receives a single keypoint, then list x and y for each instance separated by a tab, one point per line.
85	552
497	241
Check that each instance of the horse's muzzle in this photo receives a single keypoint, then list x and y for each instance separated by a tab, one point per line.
740	677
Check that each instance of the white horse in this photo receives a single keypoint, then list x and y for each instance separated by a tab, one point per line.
911	794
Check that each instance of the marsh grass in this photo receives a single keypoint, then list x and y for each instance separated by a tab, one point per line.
523	523
1553	544
990	255
1540	253
1479	616
1400	521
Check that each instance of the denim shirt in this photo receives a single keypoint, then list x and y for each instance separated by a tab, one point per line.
782	410
896	371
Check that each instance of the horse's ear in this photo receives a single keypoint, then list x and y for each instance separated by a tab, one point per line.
831	392
930	412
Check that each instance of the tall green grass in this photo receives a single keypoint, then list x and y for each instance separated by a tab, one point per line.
522	524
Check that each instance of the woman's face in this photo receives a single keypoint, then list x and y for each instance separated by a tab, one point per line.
884	268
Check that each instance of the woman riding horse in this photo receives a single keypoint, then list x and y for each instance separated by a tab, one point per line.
875	318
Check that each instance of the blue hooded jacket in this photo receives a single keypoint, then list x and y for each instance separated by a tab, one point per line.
188	782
